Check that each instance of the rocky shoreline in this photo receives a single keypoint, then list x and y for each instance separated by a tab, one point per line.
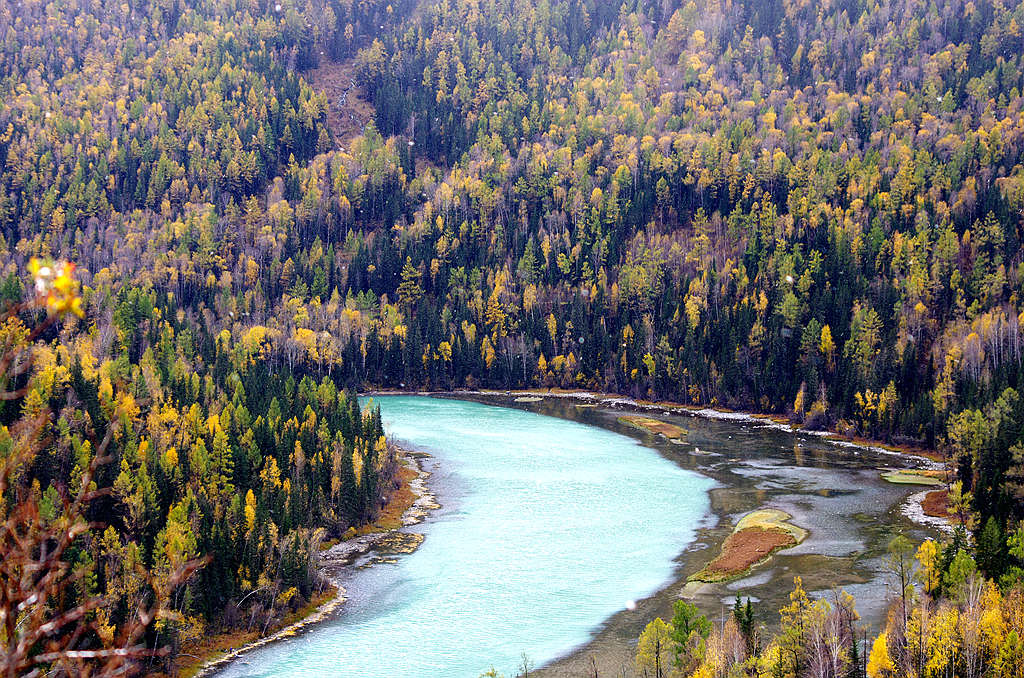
387	544
379	546
927	459
913	509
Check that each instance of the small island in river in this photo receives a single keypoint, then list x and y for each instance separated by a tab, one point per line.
655	426
753	541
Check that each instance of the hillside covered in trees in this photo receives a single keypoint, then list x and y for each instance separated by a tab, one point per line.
806	208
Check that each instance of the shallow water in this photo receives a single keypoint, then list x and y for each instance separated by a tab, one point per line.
832	489
549	527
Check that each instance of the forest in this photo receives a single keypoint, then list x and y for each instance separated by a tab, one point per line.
945	619
812	209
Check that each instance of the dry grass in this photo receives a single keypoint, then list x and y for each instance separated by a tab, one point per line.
655	426
192	657
742	550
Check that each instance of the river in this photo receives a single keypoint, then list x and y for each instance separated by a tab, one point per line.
548	527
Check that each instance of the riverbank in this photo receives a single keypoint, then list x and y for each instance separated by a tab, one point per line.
774	420
916	508
214	652
851	559
409	504
613	400
416	502
804	478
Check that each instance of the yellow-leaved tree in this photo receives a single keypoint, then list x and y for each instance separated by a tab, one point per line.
41	632
654	650
879	662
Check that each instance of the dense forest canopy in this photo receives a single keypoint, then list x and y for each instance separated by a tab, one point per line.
807	208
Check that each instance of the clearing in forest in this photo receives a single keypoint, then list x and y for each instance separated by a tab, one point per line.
348	111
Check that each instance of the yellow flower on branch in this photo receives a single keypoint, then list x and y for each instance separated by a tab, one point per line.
56	287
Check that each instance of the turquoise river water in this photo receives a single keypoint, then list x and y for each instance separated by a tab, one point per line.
548	527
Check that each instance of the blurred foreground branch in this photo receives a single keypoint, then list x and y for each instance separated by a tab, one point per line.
46	626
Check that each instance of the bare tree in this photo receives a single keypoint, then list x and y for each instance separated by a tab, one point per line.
40	632
971	633
525	666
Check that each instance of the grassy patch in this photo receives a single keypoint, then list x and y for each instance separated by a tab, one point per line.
772	519
910	477
655	426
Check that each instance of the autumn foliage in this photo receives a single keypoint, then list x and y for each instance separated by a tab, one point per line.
804	208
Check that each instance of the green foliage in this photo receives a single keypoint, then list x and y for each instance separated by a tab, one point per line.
743	616
849	243
1015	570
655	649
689	633
961	568
713	206
991	550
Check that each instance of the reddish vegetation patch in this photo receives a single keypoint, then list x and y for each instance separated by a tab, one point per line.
337	81
936	504
743	549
